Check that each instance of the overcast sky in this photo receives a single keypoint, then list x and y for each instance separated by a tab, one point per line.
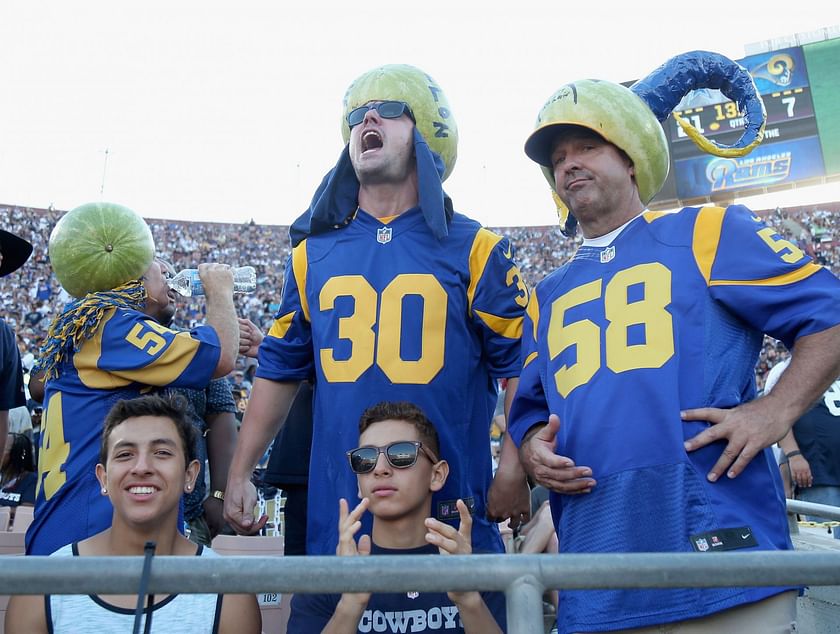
231	110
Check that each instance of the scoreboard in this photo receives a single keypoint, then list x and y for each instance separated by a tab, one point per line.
790	150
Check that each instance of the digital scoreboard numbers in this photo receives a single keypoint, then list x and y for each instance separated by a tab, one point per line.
789	152
790	114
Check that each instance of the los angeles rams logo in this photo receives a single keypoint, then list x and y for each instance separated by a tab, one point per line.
778	69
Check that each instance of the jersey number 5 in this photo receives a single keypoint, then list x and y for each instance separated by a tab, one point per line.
386	310
649	313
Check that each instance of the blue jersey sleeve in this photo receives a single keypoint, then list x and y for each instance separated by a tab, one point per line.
498	297
286	352
130	347
529	405
763	278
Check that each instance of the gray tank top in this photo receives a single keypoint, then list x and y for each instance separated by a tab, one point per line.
193	613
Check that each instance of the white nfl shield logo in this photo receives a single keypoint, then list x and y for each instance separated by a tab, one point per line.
607	254
412	595
702	545
383	235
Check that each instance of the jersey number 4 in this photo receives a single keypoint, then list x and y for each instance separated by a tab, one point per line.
54	450
649	312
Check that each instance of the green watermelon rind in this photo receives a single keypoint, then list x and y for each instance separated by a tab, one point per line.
78	253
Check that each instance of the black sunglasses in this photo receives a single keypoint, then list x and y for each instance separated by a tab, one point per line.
400	455
386	110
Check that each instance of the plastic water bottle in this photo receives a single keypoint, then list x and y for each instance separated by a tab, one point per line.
188	283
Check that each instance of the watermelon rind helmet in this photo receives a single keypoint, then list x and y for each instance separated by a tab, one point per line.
428	103
99	246
616	114
629	118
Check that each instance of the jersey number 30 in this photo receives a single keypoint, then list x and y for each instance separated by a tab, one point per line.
386	310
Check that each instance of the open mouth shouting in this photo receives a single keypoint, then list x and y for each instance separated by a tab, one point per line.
371	140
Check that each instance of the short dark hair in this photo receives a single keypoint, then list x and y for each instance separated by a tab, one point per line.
404	411
173	407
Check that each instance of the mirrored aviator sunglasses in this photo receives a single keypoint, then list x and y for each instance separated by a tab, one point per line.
386	110
400	455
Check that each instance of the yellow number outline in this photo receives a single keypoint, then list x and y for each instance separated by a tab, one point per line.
514	274
356	328
54	450
143	335
779	244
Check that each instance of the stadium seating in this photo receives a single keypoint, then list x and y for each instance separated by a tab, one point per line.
11	543
274	607
4	518
23	518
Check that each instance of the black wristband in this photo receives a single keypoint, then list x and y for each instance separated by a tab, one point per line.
791	454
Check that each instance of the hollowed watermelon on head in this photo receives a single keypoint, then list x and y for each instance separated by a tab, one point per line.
99	246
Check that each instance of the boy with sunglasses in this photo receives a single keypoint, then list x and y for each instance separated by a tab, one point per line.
397	468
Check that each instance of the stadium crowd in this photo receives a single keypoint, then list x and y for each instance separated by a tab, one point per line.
31	296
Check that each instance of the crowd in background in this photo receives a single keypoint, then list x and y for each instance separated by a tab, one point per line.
31	297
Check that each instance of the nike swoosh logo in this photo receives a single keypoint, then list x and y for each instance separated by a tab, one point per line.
745	536
509	253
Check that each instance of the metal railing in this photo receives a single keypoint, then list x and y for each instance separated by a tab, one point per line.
810	508
523	578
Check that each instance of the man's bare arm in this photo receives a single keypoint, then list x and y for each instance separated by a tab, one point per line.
753	426
221	314
267	409
221	443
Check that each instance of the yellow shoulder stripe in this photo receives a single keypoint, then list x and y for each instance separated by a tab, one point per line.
706	238
482	246
169	365
780	280
650	216
529	358
162	368
281	325
533	310
299	268
86	361
506	327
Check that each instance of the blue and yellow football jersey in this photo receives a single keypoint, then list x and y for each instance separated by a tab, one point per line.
129	353
617	342
378	312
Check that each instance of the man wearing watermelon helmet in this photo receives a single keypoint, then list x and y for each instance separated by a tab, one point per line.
105	346
390	294
636	405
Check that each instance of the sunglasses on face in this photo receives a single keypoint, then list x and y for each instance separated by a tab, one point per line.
386	110
400	455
